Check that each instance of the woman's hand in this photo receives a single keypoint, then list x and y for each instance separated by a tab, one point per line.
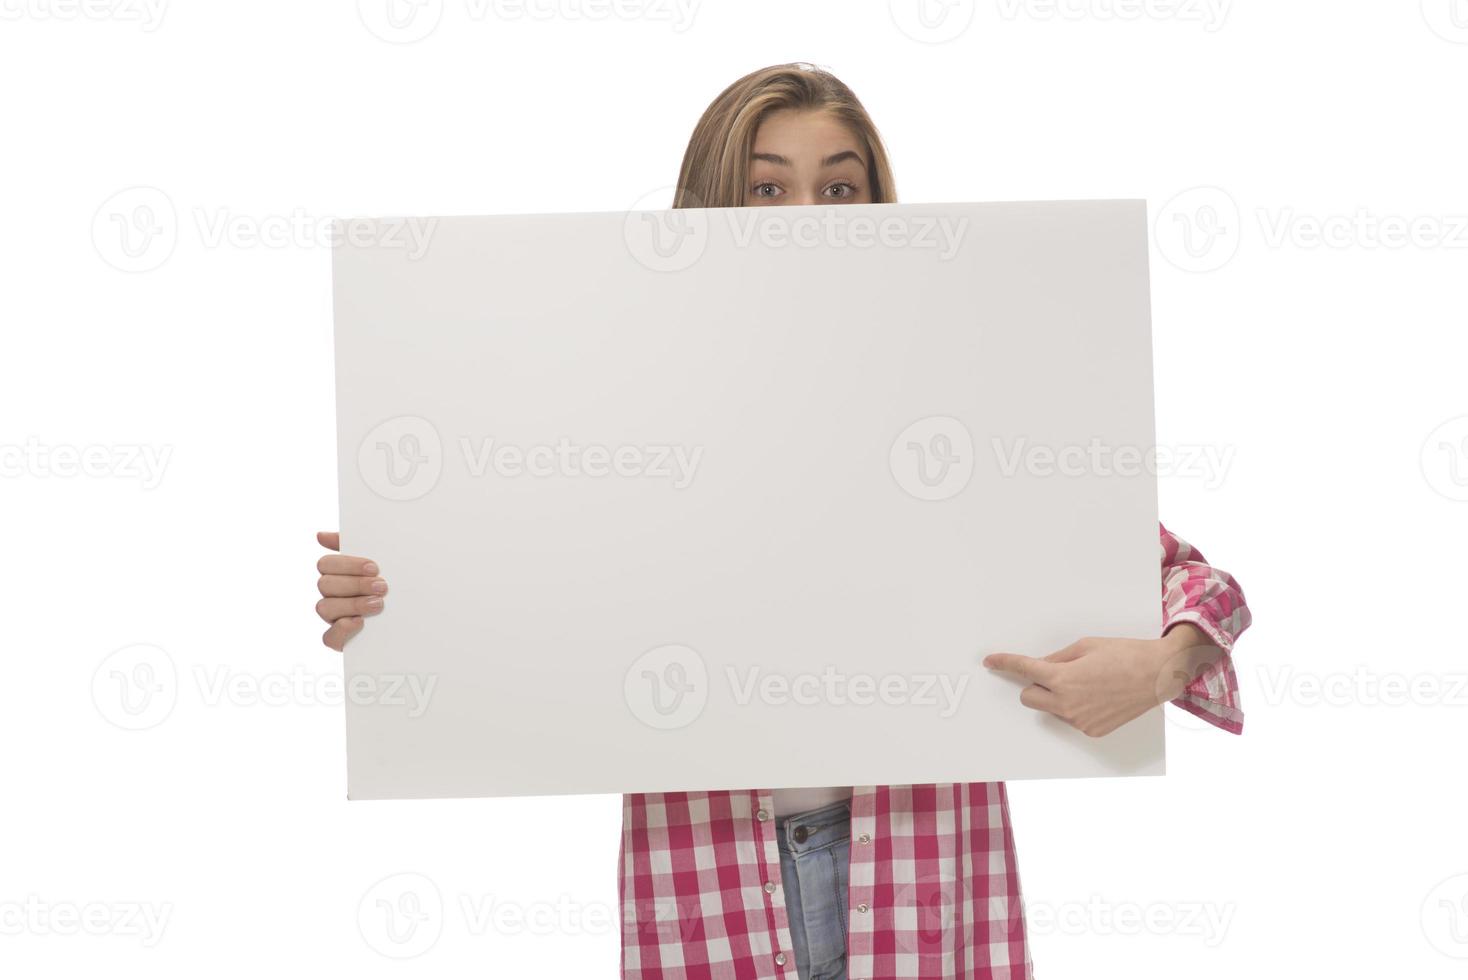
350	590
1096	685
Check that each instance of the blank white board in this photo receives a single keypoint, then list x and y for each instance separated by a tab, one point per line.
739	498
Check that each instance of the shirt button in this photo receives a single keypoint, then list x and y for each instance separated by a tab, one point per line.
863	907
769	888
762	816
864	839
779	959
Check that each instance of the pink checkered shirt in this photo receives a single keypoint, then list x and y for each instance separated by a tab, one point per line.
934	886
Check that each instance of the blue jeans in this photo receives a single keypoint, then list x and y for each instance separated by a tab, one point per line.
815	864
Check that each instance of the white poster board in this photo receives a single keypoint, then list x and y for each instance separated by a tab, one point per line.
739	498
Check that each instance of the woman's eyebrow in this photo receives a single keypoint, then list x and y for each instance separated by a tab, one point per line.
829	161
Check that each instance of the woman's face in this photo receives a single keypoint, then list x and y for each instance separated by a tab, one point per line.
806	156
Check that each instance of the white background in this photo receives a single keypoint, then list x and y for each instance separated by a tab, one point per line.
1327	838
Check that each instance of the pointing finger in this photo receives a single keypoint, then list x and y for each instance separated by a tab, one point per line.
1032	669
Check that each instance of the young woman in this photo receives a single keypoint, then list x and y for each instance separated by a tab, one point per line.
867	881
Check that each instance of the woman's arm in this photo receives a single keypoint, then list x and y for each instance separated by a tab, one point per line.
1098	684
1194	592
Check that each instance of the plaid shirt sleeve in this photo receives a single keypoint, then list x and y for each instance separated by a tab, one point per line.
934	891
1195	592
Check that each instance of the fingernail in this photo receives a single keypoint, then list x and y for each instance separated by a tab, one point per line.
379	586
374	603
370	568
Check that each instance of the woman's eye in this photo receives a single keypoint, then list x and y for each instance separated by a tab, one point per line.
841	189
765	190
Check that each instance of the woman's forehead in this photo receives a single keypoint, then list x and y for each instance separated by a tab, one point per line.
811	131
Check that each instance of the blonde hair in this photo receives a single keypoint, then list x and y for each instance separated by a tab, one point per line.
715	171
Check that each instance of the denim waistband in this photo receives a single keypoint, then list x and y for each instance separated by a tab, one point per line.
814	829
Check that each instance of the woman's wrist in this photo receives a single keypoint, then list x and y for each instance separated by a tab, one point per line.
1184	652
